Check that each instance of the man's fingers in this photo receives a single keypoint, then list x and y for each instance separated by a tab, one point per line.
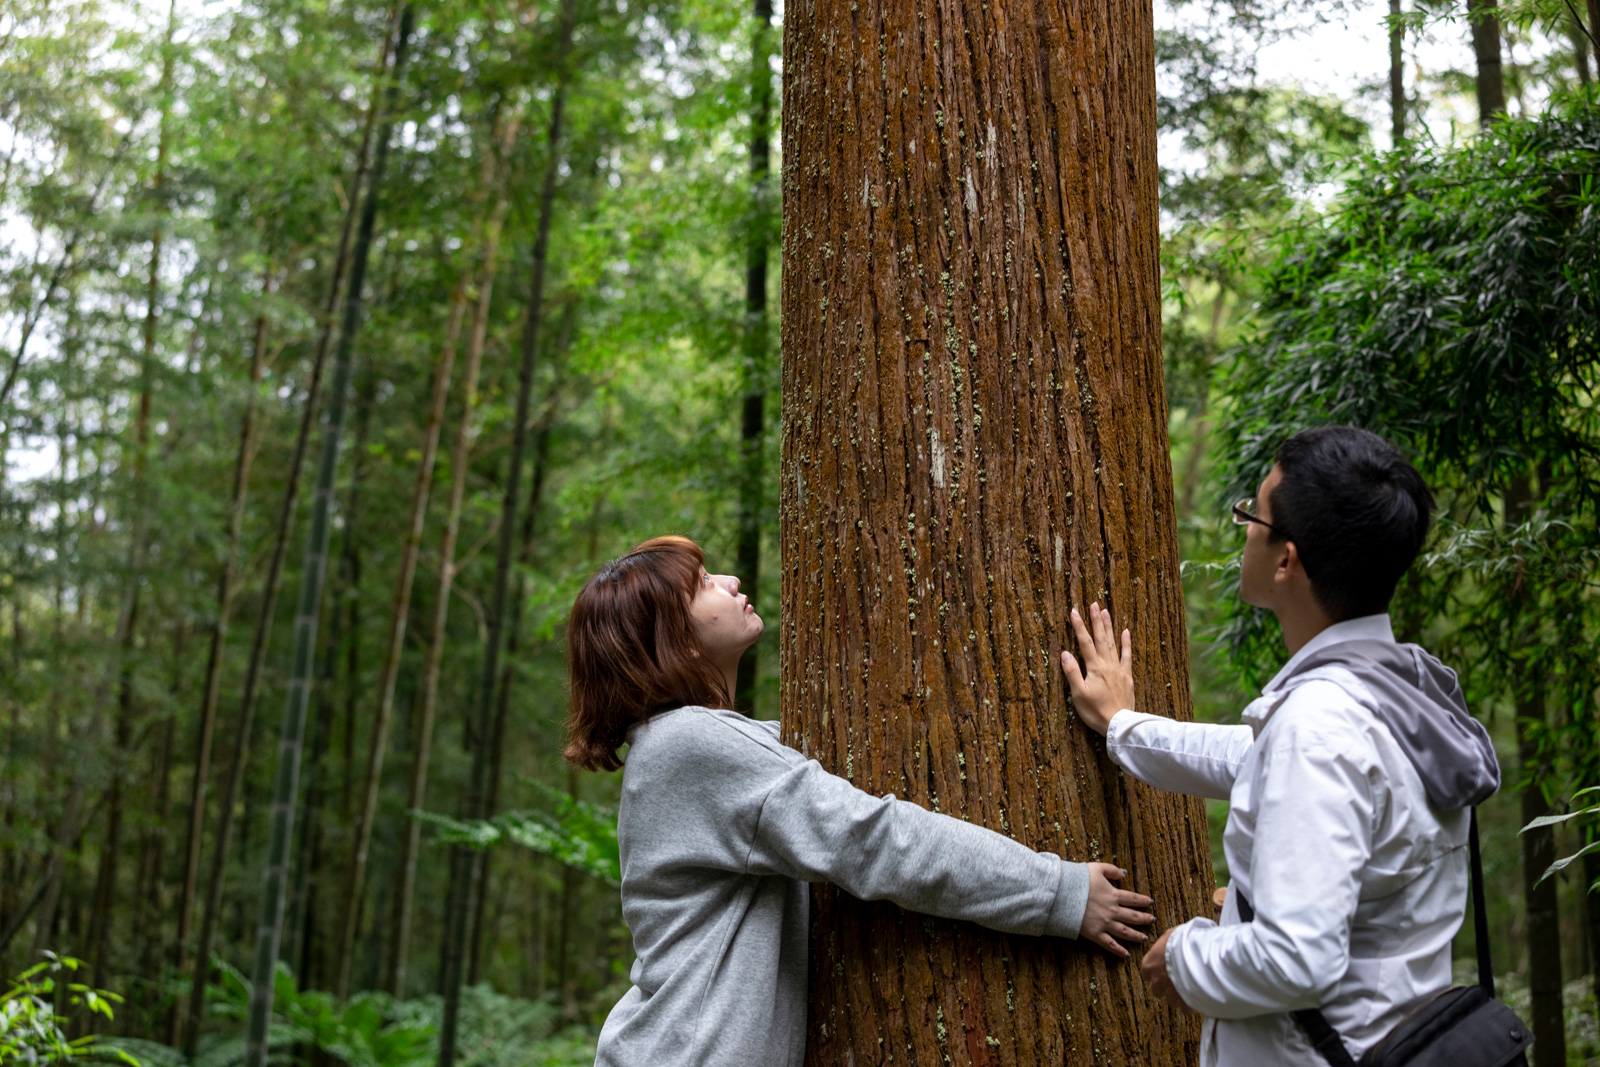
1127	651
1128	915
1086	646
1129	899
1075	679
1103	636
1128	933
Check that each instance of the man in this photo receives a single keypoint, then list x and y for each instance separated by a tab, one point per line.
1349	782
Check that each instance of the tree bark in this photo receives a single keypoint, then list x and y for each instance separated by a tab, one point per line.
1485	21
274	581
1538	846
469	868
275	873
974	442
753	370
1397	75
466	436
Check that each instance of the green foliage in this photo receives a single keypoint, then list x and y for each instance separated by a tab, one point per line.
1555	820
376	1030
40	1004
573	832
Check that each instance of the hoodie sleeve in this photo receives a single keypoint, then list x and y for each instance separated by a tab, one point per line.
1318	790
817	827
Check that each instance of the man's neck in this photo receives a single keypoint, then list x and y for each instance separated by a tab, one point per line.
1299	627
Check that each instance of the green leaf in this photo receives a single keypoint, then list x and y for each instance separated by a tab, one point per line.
1551	820
1561	864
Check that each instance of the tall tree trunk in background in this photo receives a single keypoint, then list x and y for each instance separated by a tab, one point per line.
122	731
502	713
974	442
1538	846
753	370
1580	47
460	460
1397	75
1593	36
149	885
1483	15
399	613
275	873
206	730
274	582
467	868
350	586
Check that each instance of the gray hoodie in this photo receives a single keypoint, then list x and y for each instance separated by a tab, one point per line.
1419	699
722	826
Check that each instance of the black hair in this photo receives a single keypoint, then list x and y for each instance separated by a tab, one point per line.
1357	511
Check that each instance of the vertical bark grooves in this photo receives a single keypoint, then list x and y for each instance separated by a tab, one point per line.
974	441
753	372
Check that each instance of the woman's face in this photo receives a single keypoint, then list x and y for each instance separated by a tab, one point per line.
724	620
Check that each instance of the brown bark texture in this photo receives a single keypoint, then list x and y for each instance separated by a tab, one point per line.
974	441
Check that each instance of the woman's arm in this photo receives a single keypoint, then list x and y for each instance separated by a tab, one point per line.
816	826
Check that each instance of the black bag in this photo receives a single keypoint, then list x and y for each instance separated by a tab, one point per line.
1463	1026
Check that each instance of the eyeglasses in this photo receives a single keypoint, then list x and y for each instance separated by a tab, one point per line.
1244	513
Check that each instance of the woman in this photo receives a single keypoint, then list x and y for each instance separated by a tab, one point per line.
722	826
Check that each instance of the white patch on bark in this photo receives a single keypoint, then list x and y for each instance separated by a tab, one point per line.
799	486
972	194
992	152
1061	547
866	192
912	147
938	460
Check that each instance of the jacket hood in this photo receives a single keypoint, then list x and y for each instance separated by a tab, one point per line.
1420	700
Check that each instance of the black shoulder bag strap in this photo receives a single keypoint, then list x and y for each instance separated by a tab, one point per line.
1324	1038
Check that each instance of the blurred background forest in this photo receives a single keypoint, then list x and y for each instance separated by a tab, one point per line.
521	255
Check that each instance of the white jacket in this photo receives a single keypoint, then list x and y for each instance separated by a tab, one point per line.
1358	882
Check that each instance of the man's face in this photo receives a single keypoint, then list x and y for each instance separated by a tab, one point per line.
1262	557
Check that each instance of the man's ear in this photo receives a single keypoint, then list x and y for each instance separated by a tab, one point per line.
1289	565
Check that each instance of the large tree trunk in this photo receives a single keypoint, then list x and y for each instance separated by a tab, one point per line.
974	442
269	925
1483	15
753	371
1538	846
467	869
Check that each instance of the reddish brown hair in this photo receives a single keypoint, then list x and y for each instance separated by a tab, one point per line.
632	650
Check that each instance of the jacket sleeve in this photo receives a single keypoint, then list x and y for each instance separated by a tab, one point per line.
1317	793
1198	759
818	827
